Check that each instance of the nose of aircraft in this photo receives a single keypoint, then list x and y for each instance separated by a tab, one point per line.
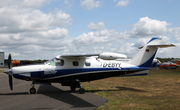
8	71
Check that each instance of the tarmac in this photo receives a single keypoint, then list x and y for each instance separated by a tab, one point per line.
54	97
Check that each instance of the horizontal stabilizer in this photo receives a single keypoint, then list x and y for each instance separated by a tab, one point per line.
161	46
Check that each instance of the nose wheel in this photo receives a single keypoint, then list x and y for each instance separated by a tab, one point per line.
32	90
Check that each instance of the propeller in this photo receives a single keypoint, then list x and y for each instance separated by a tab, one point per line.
9	61
11	82
10	72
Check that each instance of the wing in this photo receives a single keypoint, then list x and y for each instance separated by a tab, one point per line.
78	55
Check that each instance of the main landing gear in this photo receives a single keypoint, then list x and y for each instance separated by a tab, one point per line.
81	90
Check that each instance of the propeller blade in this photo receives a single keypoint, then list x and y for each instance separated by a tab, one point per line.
9	61
10	82
9	72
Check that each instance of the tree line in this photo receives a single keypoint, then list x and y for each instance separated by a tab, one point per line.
25	62
166	59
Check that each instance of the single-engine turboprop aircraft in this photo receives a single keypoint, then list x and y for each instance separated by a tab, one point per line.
72	69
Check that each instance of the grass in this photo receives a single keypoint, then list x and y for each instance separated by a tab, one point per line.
159	90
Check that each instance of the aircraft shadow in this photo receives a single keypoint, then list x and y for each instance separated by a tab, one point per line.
64	96
119	89
130	89
16	93
51	90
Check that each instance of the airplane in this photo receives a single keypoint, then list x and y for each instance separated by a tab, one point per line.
72	69
156	63
169	65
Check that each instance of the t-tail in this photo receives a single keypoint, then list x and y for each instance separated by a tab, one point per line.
145	56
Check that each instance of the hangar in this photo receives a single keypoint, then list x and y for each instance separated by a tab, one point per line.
1	59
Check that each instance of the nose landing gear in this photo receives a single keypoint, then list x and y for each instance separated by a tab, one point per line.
32	90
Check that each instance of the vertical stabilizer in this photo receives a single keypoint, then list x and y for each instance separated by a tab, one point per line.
146	55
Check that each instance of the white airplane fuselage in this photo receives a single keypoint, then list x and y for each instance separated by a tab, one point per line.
86	69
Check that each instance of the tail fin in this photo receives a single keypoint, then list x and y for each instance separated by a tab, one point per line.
146	55
178	62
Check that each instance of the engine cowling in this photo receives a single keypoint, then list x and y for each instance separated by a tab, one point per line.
112	56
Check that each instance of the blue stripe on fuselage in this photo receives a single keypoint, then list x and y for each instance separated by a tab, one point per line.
65	72
79	70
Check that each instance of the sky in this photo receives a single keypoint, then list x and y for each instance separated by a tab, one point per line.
43	29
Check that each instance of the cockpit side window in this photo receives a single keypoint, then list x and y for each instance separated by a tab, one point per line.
60	62
87	63
55	62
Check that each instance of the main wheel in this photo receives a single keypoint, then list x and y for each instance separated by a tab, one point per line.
73	88
32	91
81	90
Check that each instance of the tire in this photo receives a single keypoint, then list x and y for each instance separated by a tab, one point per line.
73	88
81	90
32	91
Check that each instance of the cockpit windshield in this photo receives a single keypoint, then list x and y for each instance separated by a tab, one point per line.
55	62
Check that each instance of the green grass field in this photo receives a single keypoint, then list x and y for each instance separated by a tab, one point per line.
159	90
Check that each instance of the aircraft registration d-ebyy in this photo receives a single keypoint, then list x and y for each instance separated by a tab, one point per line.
72	69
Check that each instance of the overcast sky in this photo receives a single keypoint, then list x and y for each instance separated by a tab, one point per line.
42	29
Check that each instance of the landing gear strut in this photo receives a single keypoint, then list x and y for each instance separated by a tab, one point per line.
81	90
73	83
32	90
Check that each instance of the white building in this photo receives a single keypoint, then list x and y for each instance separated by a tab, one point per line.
1	59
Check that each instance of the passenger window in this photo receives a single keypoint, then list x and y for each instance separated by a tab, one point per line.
87	63
60	62
75	63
